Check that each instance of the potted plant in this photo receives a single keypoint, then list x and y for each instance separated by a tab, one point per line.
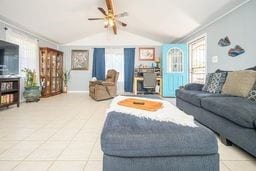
66	78
32	91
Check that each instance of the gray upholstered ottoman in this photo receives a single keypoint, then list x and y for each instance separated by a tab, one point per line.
130	143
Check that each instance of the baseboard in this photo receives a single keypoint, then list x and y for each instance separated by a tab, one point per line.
78	91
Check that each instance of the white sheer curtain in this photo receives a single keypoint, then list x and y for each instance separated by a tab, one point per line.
114	59
28	53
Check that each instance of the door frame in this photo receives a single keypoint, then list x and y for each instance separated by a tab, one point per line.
189	53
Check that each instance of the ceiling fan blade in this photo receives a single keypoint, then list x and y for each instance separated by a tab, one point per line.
110	5
121	23
114	28
96	18
124	14
102	10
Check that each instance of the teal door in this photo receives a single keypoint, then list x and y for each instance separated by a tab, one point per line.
174	68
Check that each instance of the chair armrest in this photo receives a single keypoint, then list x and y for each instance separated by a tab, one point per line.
194	86
92	83
105	83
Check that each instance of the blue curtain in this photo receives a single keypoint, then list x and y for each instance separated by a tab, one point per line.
98	66
129	55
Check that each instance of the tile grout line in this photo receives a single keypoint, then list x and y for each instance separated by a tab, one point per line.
226	166
43	142
28	155
70	140
20	141
10	147
90	154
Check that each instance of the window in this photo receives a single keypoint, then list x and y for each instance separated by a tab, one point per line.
114	59
28	53
175	60
28	50
197	57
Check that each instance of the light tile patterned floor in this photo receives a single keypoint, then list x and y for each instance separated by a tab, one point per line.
62	133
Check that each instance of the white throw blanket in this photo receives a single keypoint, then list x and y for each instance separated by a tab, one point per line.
169	112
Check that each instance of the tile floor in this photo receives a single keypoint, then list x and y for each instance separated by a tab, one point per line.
62	133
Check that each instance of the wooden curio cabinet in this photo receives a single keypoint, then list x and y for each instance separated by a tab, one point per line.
51	71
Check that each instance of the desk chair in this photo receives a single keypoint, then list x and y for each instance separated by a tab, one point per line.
149	82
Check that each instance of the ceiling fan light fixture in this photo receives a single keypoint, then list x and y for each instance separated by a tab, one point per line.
106	22
110	19
111	22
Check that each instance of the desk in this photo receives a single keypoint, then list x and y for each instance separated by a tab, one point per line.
135	84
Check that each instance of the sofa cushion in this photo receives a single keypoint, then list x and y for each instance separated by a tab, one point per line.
129	136
193	97
194	86
236	109
239	83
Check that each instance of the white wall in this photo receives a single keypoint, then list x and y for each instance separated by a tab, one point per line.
240	26
107	38
80	79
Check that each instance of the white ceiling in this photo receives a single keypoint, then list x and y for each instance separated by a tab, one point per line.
106	38
65	21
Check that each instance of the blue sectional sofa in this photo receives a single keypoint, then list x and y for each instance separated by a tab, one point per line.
233	118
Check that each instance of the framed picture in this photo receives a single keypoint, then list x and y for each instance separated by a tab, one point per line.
80	59
146	54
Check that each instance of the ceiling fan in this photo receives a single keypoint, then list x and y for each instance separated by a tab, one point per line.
110	18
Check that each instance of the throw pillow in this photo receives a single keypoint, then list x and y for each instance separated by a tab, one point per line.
239	83
217	82
219	70
252	94
208	81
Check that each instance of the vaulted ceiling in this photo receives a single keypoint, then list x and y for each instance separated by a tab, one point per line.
64	21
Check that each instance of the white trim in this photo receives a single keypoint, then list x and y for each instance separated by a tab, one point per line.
212	22
206	53
28	32
78	91
198	37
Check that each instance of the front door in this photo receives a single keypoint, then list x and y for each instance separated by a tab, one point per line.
174	68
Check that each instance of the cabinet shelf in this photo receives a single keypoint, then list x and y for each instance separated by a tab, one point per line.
7	104
9	92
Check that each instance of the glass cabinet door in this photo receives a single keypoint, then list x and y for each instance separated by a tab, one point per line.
51	70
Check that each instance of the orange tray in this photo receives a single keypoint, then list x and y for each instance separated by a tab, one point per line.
141	104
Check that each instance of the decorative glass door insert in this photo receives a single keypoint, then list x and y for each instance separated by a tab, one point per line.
175	63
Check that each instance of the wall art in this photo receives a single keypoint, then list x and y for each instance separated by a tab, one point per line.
79	59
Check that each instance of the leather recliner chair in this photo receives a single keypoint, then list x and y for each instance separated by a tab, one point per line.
102	90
